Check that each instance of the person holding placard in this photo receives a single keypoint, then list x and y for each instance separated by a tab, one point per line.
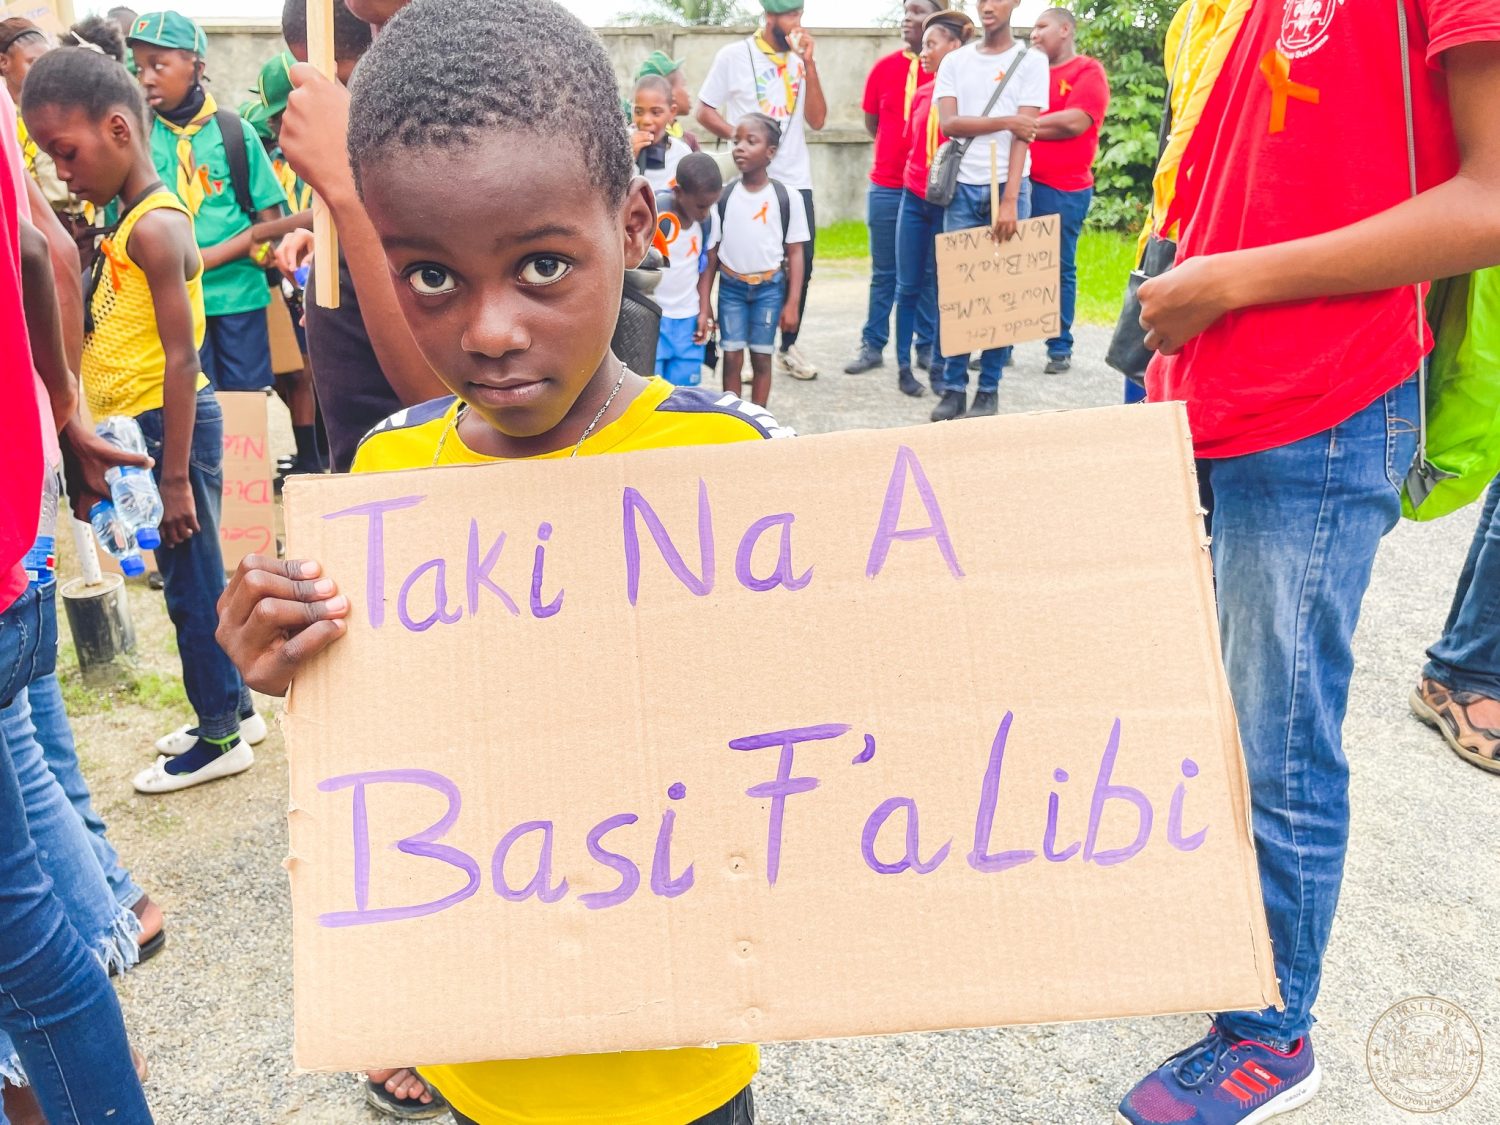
510	323
1292	327
1001	129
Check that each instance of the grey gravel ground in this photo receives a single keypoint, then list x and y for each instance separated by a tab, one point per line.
1419	913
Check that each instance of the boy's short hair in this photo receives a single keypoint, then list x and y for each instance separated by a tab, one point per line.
698	172
102	33
768	123
654	82
77	77
1062	16
351	35
444	72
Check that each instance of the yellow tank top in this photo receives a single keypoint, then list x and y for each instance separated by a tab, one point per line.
124	366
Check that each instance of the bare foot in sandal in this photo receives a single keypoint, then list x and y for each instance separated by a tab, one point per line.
401	1093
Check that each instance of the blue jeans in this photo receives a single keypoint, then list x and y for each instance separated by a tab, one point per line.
882	208
1073	207
971	208
55	1000
1467	656
193	573
748	314
55	735
916	275
1295	531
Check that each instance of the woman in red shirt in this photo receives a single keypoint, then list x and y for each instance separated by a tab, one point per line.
919	222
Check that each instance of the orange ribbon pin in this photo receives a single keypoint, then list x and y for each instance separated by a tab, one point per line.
1277	69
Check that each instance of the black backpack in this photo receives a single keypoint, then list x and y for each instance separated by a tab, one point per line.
232	128
783	201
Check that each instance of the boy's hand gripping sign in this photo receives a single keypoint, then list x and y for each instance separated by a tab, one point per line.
871	732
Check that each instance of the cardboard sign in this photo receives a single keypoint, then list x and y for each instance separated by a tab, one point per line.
50	15
842	735
247	523
995	293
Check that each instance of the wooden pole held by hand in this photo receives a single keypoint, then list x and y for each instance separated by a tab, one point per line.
994	185
325	237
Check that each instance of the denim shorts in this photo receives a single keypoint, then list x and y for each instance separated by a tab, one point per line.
748	314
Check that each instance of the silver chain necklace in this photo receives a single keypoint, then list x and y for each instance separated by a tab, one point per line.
587	430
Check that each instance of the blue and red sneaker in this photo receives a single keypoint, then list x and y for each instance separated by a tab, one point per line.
1224	1081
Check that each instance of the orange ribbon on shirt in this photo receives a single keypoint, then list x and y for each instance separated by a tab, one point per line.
1277	69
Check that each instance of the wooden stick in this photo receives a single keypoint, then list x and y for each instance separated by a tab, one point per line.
325	237
994	185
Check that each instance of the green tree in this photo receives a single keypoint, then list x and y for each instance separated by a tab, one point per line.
691	13
1126	36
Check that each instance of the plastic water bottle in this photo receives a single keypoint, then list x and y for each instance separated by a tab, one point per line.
137	502
41	560
115	539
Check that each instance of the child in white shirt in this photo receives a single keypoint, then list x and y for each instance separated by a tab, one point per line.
684	214
657	153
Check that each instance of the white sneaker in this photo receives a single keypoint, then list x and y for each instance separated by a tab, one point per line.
156	779
794	363
252	730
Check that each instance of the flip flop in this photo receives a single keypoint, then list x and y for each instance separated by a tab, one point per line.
155	945
405	1109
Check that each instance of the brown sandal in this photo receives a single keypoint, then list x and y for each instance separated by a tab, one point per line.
1447	710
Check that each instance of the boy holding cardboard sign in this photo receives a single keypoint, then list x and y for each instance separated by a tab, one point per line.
510	325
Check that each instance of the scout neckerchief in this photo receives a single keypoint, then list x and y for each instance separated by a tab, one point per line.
932	132
783	71
913	74
192	178
29	148
109	253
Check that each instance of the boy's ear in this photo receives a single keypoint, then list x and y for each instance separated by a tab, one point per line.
637	221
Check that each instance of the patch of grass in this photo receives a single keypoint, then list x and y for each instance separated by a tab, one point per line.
1105	259
845	241
143	688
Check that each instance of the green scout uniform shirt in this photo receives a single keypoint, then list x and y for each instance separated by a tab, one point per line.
238	286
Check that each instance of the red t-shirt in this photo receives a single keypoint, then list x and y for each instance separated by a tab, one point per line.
1068	165
886	94
922	139
21	451
1304	133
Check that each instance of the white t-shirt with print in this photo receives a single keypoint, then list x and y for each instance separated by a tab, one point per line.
750	241
743	79
677	291
662	178
970	77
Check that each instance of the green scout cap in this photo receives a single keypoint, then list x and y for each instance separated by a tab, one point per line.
777	7
168	29
259	119
660	63
275	83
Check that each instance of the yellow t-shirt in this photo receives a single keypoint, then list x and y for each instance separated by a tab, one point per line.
124	366
626	1088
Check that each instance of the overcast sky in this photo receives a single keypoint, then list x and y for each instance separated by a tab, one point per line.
818	13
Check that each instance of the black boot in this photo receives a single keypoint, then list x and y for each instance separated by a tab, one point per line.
908	384
952	406
985	402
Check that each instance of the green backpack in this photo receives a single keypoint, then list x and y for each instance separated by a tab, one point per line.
1458	436
1459	450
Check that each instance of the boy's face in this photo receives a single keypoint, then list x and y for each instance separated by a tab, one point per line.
516	322
682	97
1049	35
652	113
167	74
92	157
780	26
695	206
752	148
912	16
994	14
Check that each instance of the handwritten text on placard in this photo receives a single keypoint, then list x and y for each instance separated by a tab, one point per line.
995	293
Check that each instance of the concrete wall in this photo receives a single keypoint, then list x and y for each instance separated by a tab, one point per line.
840	151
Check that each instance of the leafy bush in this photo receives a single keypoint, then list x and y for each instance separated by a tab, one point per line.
1126	36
